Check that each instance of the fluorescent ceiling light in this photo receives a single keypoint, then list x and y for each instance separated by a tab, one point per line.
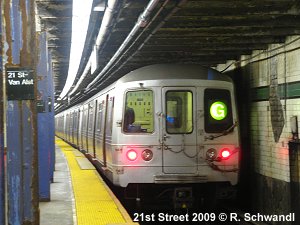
80	22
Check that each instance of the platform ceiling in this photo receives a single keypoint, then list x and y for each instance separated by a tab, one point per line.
207	32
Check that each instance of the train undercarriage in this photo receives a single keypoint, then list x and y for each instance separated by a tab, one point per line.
178	197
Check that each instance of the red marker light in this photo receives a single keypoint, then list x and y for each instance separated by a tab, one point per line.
131	155
225	153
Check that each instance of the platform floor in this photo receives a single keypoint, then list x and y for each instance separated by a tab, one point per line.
79	195
61	208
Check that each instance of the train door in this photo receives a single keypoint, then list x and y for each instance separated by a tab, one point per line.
90	128
178	130
95	126
71	127
75	127
100	132
80	120
68	126
103	136
84	127
107	151
78	128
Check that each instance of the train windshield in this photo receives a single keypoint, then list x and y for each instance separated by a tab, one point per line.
179	110
138	112
218	111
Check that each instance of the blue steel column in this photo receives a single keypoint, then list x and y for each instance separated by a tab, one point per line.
2	173
22	158
51	117
44	147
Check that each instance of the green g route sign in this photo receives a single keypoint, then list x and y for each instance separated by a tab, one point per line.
218	110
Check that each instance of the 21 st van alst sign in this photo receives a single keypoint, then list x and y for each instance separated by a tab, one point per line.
19	83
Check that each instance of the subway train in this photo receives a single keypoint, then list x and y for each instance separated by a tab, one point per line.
168	128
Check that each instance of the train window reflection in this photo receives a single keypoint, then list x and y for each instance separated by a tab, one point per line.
179	112
138	116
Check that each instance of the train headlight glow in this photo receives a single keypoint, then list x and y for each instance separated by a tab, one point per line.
225	153
131	155
218	110
211	154
147	155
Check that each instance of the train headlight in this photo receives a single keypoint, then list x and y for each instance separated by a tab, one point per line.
131	155
147	155
225	153
211	154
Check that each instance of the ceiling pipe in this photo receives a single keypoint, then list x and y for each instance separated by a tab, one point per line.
105	24
169	15
82	77
106	21
142	22
176	8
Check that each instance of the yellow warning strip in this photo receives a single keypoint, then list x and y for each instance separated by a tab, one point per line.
95	203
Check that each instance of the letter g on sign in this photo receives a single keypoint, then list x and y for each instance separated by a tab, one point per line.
218	110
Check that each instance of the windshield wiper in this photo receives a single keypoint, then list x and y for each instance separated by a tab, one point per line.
223	133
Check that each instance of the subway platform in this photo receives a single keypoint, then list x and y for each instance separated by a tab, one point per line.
79	196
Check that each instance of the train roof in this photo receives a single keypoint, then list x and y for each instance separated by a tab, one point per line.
174	71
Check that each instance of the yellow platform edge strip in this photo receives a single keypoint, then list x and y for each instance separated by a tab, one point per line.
94	201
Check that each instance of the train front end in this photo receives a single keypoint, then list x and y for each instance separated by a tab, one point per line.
178	132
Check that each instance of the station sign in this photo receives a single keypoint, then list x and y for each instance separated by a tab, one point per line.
19	83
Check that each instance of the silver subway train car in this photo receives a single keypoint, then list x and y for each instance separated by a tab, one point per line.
160	125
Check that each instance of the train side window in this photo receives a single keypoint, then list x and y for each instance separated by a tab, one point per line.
179	112
218	110
137	115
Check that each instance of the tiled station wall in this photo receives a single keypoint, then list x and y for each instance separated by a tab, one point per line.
268	94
